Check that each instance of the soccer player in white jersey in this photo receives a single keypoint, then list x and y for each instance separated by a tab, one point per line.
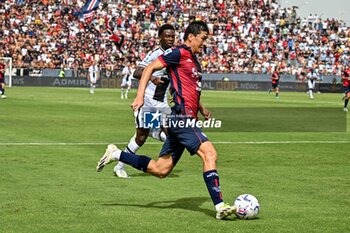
155	97
311	77
126	81
93	76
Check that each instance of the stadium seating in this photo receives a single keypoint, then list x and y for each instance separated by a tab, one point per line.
248	36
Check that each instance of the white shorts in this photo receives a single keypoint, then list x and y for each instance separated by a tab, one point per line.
150	105
311	83
126	83
93	80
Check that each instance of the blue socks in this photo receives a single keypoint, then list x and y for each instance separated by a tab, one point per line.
139	162
211	179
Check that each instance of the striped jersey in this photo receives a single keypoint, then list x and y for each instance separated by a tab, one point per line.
156	92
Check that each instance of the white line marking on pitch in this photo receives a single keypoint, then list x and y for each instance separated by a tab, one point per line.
155	143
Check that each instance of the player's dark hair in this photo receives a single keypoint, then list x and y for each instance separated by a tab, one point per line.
165	27
195	28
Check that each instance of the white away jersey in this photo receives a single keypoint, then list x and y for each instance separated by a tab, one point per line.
156	92
312	75
93	72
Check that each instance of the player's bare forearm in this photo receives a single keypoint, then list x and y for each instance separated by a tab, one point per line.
204	111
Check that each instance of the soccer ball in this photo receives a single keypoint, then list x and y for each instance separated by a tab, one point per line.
247	206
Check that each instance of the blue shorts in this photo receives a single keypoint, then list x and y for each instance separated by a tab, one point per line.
346	89
274	85
2	80
180	138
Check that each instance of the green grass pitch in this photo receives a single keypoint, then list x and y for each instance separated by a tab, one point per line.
52	138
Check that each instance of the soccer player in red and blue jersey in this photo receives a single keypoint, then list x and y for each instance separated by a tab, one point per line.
346	85
184	72
2	81
275	78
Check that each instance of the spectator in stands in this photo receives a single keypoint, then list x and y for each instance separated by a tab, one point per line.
246	35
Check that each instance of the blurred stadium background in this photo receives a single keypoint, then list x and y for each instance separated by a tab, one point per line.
248	37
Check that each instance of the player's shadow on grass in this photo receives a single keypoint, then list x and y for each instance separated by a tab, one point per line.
192	204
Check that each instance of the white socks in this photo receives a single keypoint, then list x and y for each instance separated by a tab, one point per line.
131	148
311	94
116	154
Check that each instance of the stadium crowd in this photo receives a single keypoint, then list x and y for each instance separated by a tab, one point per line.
250	36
